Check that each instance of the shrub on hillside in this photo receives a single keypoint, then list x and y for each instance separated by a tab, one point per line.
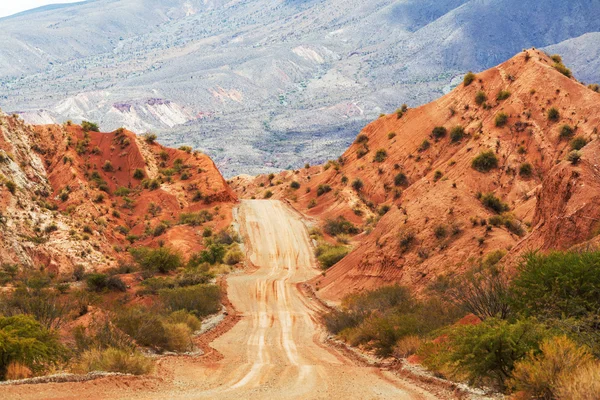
574	156
503	95
583	384
485	161
357	184
501	119
469	78
553	114
480	97
457	133
25	341
322	189
200	300
400	179
89	126
139	174
340	225
329	255
195	219
361	139
37	300
526	170
492	202
439	132
160	260
380	155
566	132
114	360
578	143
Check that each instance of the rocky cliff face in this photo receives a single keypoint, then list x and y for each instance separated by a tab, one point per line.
72	197
427	210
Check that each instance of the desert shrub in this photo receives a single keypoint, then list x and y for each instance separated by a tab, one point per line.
494	203
406	238
594	86
437	175
578	143
424	145
357	184
322	189
233	256
560	67
457	133
407	346
159	229
440	231
485	354
268	194
89	126
526	170
200	300
361	138
501	119
566	132
11	186
139	174
25	341
553	114
391	135
583	384
150	138
558	284
400	179
383	209
503	95
362	151
179	337
469	78
380	155
184	317
195	219
480	97
439	132
114	360
108	167
539	375
45	305
153	284
485	161
329	255
213	254
508	221
295	185
574	156
160	260
144	326
100	282
340	225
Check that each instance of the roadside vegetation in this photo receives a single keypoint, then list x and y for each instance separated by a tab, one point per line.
111	320
535	336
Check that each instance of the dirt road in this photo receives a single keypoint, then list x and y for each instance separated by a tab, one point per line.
275	351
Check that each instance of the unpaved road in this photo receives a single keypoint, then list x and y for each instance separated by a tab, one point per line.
275	351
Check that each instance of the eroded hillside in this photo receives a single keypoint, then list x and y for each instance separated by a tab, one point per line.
75	196
508	161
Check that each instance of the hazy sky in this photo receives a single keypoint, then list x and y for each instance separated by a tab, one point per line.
9	7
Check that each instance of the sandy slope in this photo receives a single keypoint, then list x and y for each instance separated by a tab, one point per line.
275	351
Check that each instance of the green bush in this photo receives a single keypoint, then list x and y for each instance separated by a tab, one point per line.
195	219
560	67
139	174
184	317
144	326
329	255
503	95
339	226
213	254
424	146
322	189
24	340
457	133
361	138
160	260
566	132
558	284
526	170
44	304
469	78
380	156
485	354
553	114
11	186
200	300
114	360
439	132
501	119
357	184
578	143
89	126
574	156
400	179
295	185
480	97
485	161
492	202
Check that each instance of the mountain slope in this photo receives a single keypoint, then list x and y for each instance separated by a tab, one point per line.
427	211
73	197
292	81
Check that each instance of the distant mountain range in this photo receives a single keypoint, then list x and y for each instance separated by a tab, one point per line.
262	85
